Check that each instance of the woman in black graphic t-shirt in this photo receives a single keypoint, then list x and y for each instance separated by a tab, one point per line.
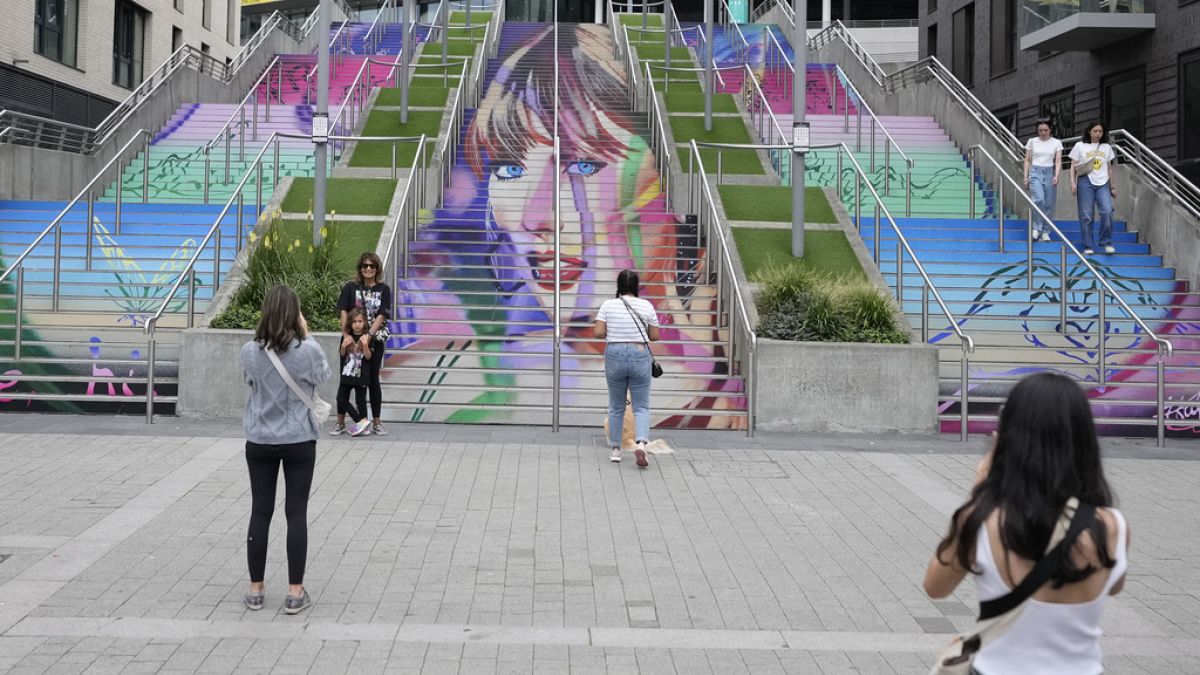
374	297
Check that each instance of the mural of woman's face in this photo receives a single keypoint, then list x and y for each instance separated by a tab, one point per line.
595	217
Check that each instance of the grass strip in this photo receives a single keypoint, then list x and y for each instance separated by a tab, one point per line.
825	251
652	20
655	50
771	203
353	237
724	129
387	123
423	95
349	196
687	101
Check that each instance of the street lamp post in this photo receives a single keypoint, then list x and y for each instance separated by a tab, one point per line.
405	51
800	47
320	130
708	64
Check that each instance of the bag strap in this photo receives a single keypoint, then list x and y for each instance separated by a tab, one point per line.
287	378
1060	545
637	321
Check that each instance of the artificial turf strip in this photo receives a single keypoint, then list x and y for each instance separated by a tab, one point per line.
417	95
683	86
349	196
656	51
743	162
458	48
686	101
435	81
434	55
387	123
724	130
771	203
477	17
652	20
353	237
825	251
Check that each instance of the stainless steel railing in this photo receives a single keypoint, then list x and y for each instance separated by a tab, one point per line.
140	139
741	46
257	171
1157	170
448	152
412	200
376	30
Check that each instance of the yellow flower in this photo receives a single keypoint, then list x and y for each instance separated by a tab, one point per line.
267	242
310	248
324	232
253	237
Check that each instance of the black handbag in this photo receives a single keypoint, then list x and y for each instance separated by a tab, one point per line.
655	369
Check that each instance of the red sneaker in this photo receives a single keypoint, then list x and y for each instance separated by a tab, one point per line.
640	454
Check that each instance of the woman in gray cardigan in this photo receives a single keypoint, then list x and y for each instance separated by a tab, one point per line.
280	430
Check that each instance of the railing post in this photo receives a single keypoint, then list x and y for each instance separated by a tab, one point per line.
1160	396
1062	287
207	168
191	298
858	200
873	125
899	272
19	308
1102	330
1000	211
908	190
242	135
119	200
217	260
971	182
277	168
87	229
877	258
394	157
964	384
1029	264
924	312
150	378
258	189
241	234
720	167
146	172
228	138
887	169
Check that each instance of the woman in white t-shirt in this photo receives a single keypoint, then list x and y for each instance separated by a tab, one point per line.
1091	171
627	323
1043	158
1044	452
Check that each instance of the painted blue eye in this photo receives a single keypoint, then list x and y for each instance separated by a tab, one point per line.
509	171
584	168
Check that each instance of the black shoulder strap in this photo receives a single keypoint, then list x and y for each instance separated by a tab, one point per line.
637	321
990	609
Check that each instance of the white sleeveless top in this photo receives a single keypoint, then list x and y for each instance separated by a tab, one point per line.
1049	638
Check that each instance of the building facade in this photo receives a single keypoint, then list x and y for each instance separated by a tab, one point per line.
73	60
1133	64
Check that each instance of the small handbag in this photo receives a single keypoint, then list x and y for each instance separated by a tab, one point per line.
998	615
655	369
318	408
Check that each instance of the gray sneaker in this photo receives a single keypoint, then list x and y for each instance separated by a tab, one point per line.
255	601
295	605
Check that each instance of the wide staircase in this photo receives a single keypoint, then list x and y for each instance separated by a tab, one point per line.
477	323
1022	324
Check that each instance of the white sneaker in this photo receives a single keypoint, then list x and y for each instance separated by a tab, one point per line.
1088	251
1110	250
1045	236
337	430
615	456
356	428
1035	235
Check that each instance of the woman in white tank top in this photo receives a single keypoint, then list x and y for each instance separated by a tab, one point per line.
1045	452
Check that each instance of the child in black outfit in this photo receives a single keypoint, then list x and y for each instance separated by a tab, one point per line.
354	378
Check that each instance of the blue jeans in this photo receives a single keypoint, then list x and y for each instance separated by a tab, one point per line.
1044	193
627	368
1091	197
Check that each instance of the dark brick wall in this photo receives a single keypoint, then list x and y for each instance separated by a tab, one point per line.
1177	31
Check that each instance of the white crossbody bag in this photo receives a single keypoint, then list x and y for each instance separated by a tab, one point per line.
318	408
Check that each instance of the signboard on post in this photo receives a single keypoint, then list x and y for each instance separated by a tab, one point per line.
801	141
320	128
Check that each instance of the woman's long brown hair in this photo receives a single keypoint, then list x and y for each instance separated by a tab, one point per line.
280	327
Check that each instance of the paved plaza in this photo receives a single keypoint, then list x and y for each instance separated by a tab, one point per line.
474	550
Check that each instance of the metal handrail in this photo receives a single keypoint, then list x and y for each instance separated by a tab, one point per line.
448	153
141	135
239	114
765	122
726	19
735	290
396	247
660	140
556	403
1156	168
371	39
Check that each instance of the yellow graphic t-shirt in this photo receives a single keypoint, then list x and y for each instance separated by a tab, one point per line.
1098	155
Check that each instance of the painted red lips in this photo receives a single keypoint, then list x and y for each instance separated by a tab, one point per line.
543	271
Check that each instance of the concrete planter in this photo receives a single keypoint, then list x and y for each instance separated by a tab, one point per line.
847	386
210	371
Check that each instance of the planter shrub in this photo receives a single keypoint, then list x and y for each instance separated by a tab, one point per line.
795	303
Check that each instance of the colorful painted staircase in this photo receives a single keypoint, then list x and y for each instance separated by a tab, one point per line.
476	335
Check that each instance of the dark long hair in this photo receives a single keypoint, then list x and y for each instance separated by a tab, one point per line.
627	283
1087	132
280	327
1046	452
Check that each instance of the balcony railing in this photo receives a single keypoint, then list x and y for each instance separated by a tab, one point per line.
1082	25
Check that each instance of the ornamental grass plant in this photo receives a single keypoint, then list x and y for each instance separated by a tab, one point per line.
798	304
312	271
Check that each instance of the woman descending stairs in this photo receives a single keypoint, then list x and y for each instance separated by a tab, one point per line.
476	330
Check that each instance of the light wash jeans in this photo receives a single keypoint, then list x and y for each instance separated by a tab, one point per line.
1044	193
627	368
1092	197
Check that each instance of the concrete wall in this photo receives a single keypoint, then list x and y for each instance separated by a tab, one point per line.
839	386
1170	231
92	70
210	371
28	173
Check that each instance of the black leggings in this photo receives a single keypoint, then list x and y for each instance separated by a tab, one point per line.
358	410
263	461
371	370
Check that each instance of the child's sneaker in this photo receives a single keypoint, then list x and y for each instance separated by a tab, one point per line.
378	429
356	428
337	430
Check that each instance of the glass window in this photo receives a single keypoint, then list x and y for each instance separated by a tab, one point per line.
963	34
1124	99
931	40
205	13
54	29
1004	36
179	5
1059	108
930	6
129	26
1189	103
1008	117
